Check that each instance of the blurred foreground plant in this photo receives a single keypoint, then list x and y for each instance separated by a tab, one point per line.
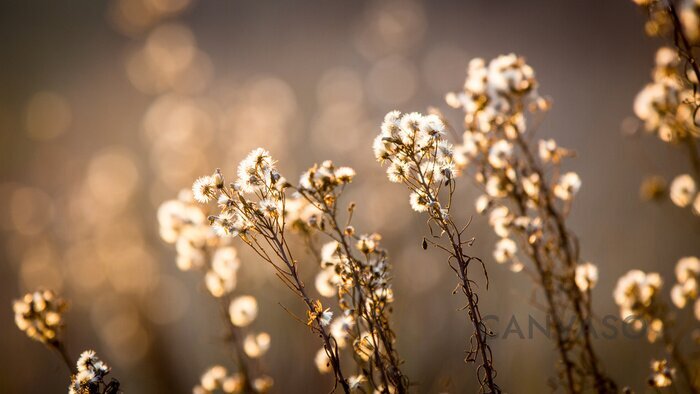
40	316
669	106
184	223
527	198
638	294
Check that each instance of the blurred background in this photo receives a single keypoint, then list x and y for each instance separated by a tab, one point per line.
108	108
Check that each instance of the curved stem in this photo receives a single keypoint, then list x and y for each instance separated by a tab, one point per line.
60	348
474	313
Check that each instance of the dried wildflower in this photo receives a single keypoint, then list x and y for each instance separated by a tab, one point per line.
419	201
669	105
255	345
243	310
421	158
586	276
355	382
500	153
524	202
344	174
322	361
221	278
318	313
256	204
354	268
90	375
263	384
39	315
683	190
204	189
687	276
662	374
217	378
327	282
368	243
257	171
505	250
636	294
665	104
550	152
568	185
341	328
269	208
176	215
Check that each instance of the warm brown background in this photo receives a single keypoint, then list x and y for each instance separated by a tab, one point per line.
310	81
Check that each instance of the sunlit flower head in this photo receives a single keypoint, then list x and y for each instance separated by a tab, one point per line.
269	207
40	315
204	189
662	374
355	382
419	202
243	310
500	153
344	174
257	171
340	328
213	378
687	276
90	373
505	250
586	276
256	345
683	190
322	361
325	317
568	185
636	293
327	282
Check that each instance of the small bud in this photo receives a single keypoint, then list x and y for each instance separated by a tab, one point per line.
425	244
349	231
218	179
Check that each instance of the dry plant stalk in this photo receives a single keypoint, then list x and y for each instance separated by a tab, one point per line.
669	106
356	269
199	247
422	159
252	210
638	295
40	316
527	207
